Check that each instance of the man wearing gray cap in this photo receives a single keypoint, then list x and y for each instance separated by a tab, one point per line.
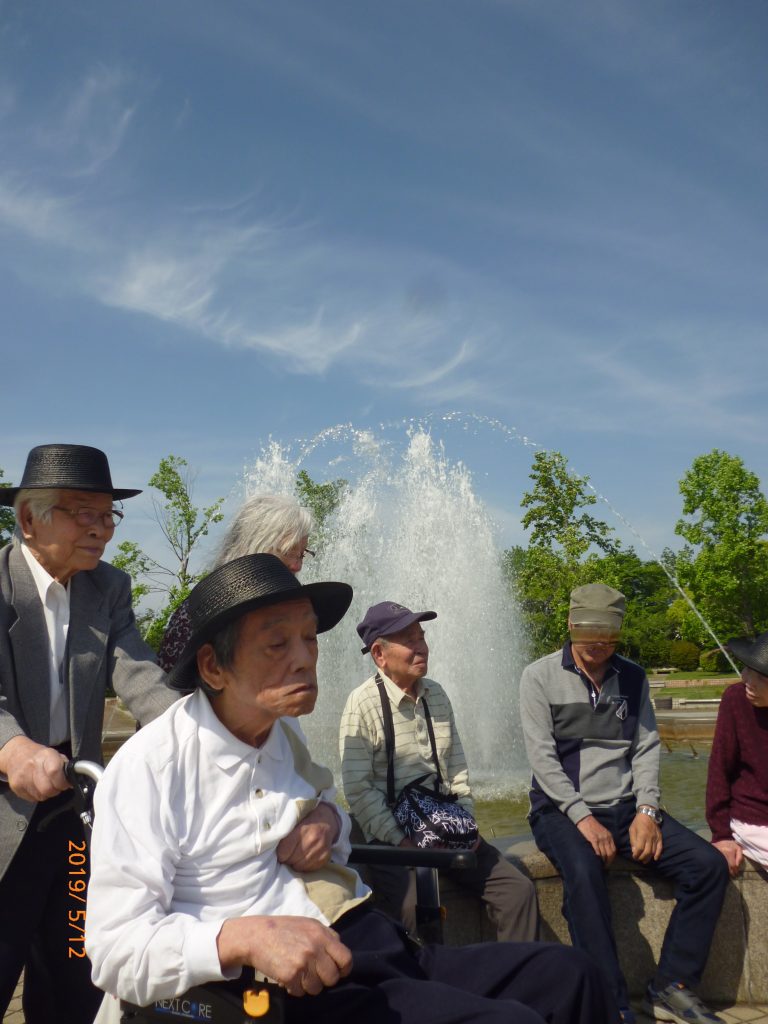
424	745
592	743
67	633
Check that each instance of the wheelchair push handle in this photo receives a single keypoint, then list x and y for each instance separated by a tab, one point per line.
90	769
83	776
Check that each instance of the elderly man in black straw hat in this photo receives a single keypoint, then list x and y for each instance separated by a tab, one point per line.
217	845
67	632
421	745
592	742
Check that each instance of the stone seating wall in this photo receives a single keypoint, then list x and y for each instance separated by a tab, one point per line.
738	964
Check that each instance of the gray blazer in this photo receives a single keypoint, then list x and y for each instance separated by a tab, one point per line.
104	648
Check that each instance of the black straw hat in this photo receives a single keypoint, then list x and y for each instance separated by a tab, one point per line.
754	653
66	467
243	585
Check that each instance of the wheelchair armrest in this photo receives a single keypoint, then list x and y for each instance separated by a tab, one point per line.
411	857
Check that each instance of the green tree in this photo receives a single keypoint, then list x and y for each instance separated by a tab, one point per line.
7	518
543	575
182	524
321	499
562	534
725	522
540	583
647	630
553	506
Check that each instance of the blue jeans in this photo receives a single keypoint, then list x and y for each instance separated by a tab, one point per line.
698	870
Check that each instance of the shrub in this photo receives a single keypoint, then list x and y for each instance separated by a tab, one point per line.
684	655
713	661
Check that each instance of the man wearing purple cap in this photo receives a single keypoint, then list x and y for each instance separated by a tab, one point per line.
67	633
420	710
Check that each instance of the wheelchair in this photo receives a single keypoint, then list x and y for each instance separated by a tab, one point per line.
245	999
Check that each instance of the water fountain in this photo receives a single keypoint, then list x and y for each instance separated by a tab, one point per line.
410	528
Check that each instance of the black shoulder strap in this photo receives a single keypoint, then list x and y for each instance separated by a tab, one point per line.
431	732
389	739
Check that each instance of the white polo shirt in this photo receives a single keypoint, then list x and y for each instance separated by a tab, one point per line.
188	819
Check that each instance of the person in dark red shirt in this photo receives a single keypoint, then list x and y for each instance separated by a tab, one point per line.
737	780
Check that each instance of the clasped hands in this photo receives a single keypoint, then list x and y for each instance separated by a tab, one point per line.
733	853
644	837
301	954
308	846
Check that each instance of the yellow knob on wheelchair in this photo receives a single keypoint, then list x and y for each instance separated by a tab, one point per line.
256	1003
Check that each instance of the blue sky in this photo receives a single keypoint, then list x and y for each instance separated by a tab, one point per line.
221	222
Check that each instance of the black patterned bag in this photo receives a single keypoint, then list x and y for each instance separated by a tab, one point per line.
430	818
426	816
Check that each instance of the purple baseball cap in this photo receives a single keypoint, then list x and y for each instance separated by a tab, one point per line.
386	618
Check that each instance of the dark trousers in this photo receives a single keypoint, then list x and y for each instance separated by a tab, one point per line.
41	916
509	897
393	982
699	871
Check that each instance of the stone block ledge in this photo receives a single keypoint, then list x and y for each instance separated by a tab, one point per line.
738	966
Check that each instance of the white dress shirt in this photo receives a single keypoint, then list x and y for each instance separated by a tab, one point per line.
55	600
188	818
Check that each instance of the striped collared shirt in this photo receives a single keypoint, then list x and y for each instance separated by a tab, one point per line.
364	753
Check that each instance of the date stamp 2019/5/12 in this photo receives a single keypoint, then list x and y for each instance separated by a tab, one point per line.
76	885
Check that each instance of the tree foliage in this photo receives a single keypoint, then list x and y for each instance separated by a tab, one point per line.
321	499
726	566
723	564
553	510
723	567
543	575
684	655
7	518
182	524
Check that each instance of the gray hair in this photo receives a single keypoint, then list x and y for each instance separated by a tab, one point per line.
224	645
265	523
40	500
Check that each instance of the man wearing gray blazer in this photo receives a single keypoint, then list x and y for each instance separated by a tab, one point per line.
67	632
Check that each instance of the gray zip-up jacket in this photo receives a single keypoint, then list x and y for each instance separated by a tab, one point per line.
583	754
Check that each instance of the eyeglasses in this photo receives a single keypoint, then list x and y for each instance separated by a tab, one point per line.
601	644
593	635
296	554
90	516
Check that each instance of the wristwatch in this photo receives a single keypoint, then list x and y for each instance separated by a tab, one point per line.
652	812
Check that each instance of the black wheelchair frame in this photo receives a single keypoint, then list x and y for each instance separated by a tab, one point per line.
246	999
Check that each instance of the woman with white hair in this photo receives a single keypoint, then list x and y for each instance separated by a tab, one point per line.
270	524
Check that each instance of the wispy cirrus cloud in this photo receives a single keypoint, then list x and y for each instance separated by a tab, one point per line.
214	266
244	283
238	287
710	399
38	214
87	128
